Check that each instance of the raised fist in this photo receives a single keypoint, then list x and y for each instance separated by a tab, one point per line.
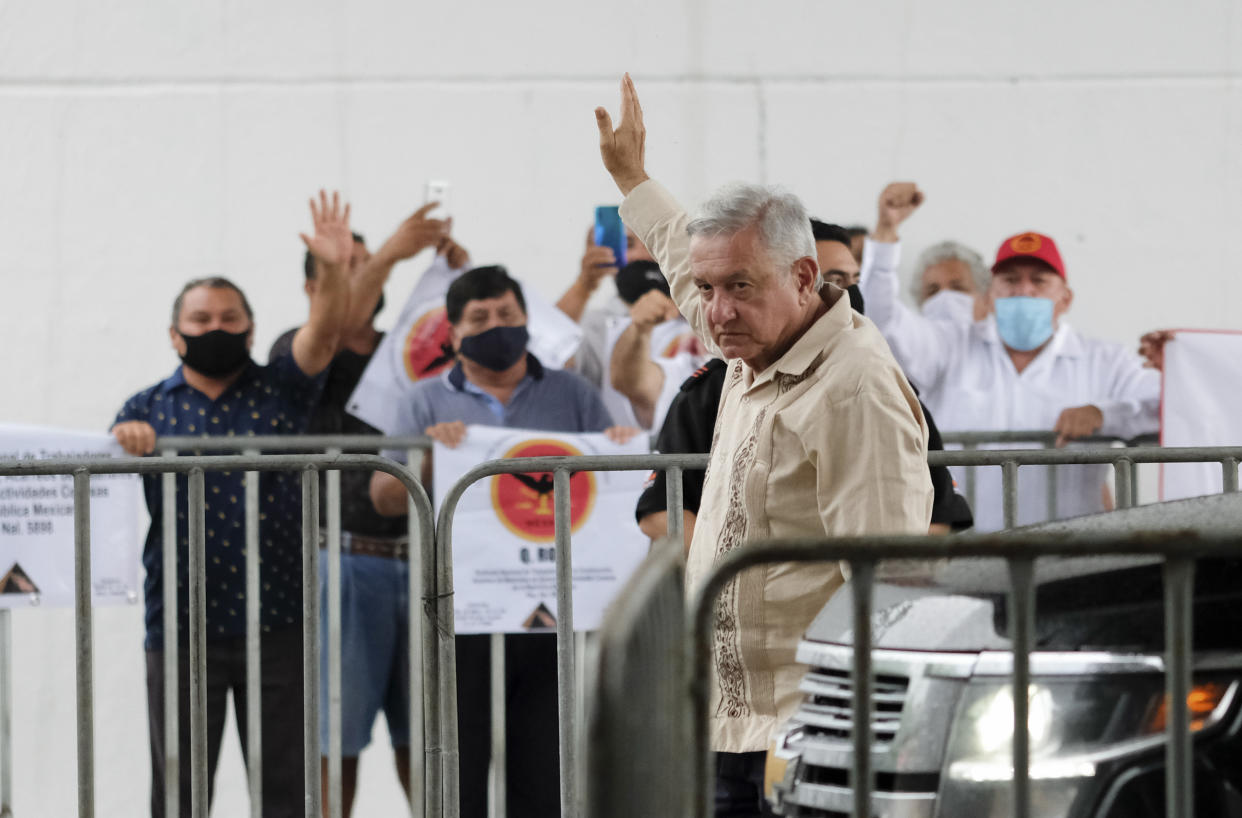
897	202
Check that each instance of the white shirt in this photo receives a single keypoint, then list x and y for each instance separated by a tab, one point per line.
668	349
969	383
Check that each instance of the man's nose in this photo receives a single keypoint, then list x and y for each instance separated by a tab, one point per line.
720	310
1026	287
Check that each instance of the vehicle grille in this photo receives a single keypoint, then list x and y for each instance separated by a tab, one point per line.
828	709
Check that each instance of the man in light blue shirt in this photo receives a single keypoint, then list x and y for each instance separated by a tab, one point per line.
497	382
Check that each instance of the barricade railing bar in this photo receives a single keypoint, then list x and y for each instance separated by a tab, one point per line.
194	468
1039	437
1123	460
1178	549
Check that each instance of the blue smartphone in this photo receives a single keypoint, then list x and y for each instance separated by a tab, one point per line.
610	231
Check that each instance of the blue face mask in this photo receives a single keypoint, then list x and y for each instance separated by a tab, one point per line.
497	348
1024	323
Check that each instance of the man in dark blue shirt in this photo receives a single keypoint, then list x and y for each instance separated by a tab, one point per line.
219	391
496	382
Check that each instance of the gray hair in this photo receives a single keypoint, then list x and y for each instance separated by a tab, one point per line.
779	216
950	251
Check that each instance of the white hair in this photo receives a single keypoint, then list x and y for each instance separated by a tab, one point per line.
950	251
779	217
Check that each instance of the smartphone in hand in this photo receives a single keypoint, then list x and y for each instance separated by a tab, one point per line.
438	190
610	231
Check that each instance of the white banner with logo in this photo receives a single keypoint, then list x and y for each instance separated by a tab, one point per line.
1199	407
415	348
504	556
37	527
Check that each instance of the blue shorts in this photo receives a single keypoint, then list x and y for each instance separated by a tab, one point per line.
375	663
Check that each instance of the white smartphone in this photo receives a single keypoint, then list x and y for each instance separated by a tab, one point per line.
438	190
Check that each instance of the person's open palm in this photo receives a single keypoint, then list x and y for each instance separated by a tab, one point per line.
333	243
623	148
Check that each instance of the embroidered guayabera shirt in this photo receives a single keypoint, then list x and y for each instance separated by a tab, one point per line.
828	440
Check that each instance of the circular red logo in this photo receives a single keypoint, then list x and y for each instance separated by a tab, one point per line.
524	502
1026	243
424	345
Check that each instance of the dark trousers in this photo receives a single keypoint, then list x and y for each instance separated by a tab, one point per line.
739	786
532	751
282	718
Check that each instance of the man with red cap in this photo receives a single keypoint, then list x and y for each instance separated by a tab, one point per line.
1022	366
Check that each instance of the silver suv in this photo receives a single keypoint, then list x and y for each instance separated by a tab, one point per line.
943	708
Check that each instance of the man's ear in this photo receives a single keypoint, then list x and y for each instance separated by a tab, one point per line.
1064	301
310	286
806	273
178	343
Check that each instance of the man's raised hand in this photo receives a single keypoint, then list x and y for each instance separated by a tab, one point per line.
415	234
897	202
454	254
332	243
623	149
652	309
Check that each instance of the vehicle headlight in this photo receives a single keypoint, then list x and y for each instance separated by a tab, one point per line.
1075	726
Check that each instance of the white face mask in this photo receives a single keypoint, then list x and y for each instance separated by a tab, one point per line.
950	305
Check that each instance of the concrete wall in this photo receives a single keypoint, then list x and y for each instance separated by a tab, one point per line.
145	143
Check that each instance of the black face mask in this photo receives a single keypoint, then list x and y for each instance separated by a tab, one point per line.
497	348
856	299
216	353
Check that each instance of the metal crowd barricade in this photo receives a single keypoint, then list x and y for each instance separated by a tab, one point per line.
1178	549
328	444
640	662
195	468
440	669
1020	551
1123	460
971	441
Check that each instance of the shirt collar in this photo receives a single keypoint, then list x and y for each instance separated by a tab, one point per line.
456	377
177	379
807	351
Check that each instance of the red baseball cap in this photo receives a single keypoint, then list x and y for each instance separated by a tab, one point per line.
1031	245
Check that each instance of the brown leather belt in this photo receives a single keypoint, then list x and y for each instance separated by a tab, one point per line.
393	548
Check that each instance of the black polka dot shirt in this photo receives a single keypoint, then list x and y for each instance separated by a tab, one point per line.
265	400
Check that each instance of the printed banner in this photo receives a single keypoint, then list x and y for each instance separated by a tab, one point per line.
504	556
36	522
415	348
1202	370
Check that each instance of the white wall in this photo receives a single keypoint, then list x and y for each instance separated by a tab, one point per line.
145	143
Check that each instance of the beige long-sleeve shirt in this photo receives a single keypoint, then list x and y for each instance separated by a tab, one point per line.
829	440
